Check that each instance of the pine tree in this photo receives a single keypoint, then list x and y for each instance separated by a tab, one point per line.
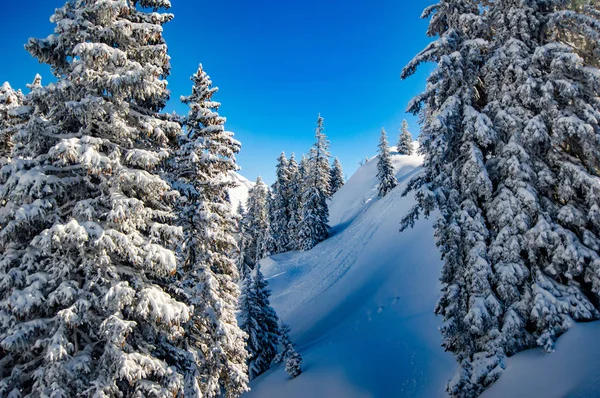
337	176
279	214
385	168
259	321
294	204
10	102
242	239
205	159
87	246
542	205
405	141
293	364
314	226
257	224
456	137
509	147
288	353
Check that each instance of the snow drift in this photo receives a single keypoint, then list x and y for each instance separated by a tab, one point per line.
360	306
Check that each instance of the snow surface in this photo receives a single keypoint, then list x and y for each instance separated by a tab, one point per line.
360	307
239	194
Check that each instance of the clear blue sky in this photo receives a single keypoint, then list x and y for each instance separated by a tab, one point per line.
277	64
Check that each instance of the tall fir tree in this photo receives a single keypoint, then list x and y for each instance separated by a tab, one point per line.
10	102
208	275
87	243
543	206
294	203
405	141
385	169
526	116
257	224
314	226
456	137
260	322
288	354
280	211
337	176
242	241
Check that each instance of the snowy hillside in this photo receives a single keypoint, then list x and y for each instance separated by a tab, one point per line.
239	194
360	303
360	306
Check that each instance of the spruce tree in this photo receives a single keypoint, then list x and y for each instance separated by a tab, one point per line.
242	239
385	169
512	150
314	226
294	203
280	211
208	276
259	321
10	102
87	244
288	353
337	176
456	138
257	224
405	141
542	205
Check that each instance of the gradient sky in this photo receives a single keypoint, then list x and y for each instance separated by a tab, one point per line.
277	64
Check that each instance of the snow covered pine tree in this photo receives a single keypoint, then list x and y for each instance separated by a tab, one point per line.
337	176
259	321
455	139
385	169
288	353
10	101
526	167
405	141
316	184
86	245
294	203
546	111
208	275
257	224
279	214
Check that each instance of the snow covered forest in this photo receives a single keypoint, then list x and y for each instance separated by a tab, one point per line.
135	260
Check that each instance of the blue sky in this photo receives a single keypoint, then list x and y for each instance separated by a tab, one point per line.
277	64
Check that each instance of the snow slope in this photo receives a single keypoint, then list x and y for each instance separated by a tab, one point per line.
360	303
360	306
239	194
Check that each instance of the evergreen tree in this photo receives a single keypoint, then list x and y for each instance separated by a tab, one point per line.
385	168
510	147
242	239
259	321
205	159
257	224
546	144
314	226
293	364
280	211
288	353
10	102
456	138
405	141
294	203
86	248
268	245
337	176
